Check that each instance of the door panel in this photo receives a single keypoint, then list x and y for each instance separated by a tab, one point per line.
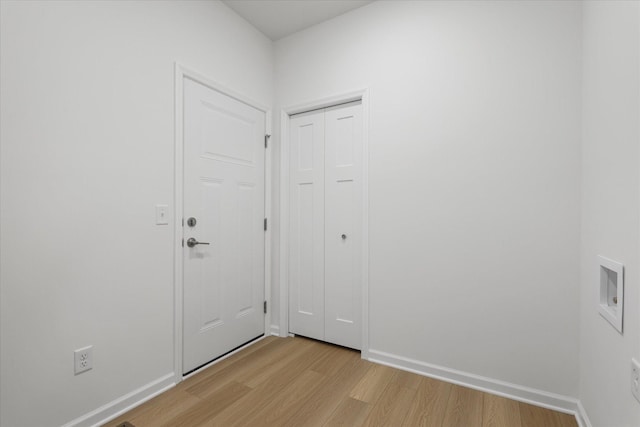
224	191
306	250
343	226
325	276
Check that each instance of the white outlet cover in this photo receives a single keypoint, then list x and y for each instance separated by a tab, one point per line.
83	359
635	379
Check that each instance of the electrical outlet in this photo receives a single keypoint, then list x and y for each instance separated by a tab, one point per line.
635	379
83	359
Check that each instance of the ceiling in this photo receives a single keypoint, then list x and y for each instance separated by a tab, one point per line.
279	18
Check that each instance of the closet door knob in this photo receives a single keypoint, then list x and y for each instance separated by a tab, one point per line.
344	237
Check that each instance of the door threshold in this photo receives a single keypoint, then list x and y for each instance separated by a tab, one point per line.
292	335
222	357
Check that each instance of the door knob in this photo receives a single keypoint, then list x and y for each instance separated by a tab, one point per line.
191	242
344	237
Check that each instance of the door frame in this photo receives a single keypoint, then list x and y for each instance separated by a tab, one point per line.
285	207
182	72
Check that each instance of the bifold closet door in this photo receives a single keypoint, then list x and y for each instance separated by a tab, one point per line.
306	247
325	248
343	225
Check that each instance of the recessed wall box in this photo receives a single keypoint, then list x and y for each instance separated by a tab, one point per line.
611	302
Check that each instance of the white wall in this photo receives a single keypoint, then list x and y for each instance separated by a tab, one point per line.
87	152
610	206
474	177
475	168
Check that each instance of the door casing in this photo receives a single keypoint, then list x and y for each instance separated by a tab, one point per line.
285	113
182	72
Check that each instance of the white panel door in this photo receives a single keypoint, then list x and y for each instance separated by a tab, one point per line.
224	192
325	248
343	225
306	246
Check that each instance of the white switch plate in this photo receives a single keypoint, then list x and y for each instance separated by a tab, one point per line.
635	379
83	359
162	214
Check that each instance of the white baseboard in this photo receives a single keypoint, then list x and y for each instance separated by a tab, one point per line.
532	396
556	402
137	397
581	416
125	403
275	330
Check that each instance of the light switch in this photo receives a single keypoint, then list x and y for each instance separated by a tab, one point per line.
162	214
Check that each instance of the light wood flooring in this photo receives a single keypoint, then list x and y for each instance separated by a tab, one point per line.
301	382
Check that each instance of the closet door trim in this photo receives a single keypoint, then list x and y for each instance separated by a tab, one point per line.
357	95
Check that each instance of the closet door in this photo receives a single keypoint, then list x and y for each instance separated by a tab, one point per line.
306	246
343	224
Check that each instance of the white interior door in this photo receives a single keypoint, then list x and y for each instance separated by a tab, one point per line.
325	252
343	225
306	246
224	191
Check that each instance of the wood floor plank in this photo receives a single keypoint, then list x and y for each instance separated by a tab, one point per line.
270	389
209	407
500	412
127	416
165	406
242	369
260	402
429	404
566	420
319	407
406	379
275	376
464	407
281	409
264	346
372	384
293	382
392	406
333	361
351	412
534	416
165	410
308	352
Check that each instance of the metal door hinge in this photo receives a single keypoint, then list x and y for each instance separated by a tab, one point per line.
265	307
266	140
265	224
